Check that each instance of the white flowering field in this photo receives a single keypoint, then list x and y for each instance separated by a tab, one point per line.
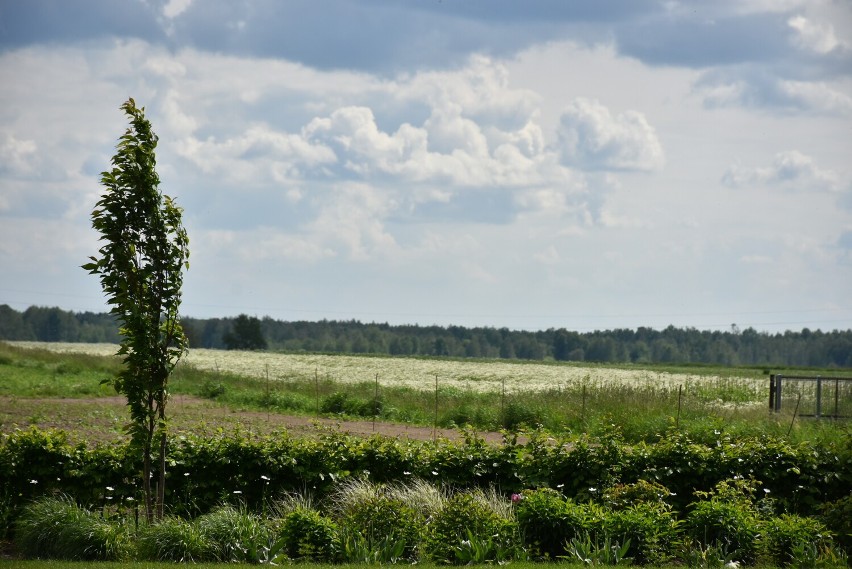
490	376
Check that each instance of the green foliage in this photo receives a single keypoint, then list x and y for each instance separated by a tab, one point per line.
651	530
728	520
518	414
597	551
356	548
787	536
547	520
245	334
140	266
57	528
308	535
175	539
236	536
447	538
837	516
381	520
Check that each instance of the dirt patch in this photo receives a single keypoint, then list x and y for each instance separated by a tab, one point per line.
102	420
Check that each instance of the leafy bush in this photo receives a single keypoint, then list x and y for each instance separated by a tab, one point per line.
837	516
335	403
58	528
622	496
212	389
785	536
728	520
547	521
651	529
306	534
517	414
380	519
176	540
449	532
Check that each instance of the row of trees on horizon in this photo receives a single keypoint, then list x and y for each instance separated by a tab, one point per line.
805	348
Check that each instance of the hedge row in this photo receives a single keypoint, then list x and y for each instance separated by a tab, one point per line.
204	471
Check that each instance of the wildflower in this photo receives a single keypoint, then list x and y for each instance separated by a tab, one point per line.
264	477
238	492
516	498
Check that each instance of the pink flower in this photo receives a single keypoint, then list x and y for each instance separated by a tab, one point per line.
516	498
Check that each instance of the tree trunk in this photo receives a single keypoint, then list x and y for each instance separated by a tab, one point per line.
163	435
146	470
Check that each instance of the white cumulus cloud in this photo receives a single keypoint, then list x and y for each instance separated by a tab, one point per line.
590	137
791	169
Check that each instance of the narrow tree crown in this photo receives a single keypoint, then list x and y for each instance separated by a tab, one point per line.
145	250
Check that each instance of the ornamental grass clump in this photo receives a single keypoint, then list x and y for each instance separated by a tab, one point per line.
57	528
235	536
177	540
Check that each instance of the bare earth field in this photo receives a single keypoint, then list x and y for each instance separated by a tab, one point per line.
101	420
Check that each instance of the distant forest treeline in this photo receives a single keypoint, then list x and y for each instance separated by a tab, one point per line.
812	348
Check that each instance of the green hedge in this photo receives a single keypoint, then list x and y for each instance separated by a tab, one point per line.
204	472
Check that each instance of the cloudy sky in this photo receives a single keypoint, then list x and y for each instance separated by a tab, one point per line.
536	164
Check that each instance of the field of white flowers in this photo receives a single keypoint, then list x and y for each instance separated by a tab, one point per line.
421	374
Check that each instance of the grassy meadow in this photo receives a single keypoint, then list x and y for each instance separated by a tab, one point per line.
642	401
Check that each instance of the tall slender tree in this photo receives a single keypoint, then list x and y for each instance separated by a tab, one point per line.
140	266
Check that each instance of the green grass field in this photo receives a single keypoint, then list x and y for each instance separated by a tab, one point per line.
642	401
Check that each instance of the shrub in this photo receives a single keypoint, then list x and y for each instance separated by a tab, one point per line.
335	403
785	536
306	534
381	519
176	540
728	520
463	518
650	528
547	520
622	496
837	516
517	415
58	528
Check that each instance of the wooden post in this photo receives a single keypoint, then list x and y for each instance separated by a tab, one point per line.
376	403
435	429
772	392
679	397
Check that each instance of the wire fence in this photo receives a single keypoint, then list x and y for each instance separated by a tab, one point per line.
811	396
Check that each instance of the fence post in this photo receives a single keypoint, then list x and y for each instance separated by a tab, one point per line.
772	392
778	381
819	397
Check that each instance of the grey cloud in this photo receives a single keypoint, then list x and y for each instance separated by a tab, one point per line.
699	41
845	241
756	88
58	21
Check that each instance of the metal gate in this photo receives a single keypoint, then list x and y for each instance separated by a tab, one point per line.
811	396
